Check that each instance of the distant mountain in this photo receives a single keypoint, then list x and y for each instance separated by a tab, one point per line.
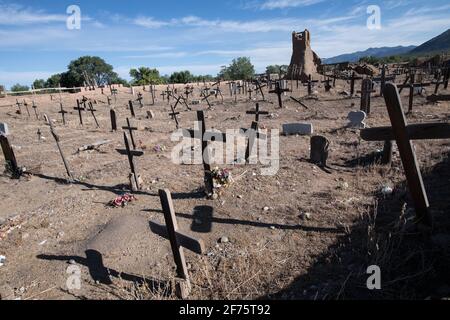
437	44
374	52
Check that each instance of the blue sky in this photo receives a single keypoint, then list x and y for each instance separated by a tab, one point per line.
198	35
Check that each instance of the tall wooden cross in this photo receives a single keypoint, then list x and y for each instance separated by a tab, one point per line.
178	241
130	104
174	115
131	154
205	137
35	107
57	140
353	79
278	91
130	130
403	133
92	110
310	84
384	79
26	107
10	158
79	108
18	104
260	89
257	112
139	99
63	113
207	100
366	91
412	87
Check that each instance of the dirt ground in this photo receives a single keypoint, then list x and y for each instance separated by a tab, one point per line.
48	226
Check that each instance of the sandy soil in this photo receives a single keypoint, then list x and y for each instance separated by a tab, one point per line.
273	253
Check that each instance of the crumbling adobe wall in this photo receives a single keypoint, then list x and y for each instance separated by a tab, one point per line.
304	61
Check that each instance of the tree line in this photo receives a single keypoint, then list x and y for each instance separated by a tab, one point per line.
91	69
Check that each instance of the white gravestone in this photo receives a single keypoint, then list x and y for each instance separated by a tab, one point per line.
4	129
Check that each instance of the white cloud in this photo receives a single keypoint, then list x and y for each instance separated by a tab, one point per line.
283	4
149	22
9	78
13	14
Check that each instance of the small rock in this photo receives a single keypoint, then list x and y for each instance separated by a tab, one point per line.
272	228
266	209
224	240
2	261
305	216
239	197
71	261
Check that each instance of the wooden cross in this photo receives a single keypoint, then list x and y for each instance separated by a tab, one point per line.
34	106
79	108
174	115
437	83
131	154
130	130
257	112
164	95
130	104
383	79
178	241
310	84
112	114
207	100
403	134
366	90
327	84
205	137
63	113
26	107
140	100
57	139
92	110
18	104
260	88
300	103
152	92
169	93
10	158
353	79
436	98
252	135
411	87
278	91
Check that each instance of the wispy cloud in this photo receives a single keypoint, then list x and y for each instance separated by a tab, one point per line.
283	4
14	14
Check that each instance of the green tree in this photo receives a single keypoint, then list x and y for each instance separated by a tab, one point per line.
53	81
39	84
181	77
94	67
370	60
281	70
18	87
239	69
145	76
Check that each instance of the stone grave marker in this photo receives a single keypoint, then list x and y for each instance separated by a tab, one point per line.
298	128
357	119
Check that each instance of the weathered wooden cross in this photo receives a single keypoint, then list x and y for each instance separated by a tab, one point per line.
130	130
257	112
353	79
79	108
57	139
205	137
366	91
403	133
412	87
135	185
178	241
92	110
10	158
384	79
35	107
278	91
63	113
130	104
174	115
252	134
310	84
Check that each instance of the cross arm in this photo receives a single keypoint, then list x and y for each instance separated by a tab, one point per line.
425	131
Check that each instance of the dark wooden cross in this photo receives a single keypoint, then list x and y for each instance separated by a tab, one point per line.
79	108
178	241
10	158
57	140
164	95
436	98
300	102
278	91
260	89
412	87
35	107
169	93
327	82
26	107
130	104
63	113
92	110
252	135
257	112
205	137
366	91
437	83
131	154
174	116
384	79
207	100
310	84
353	79
139	99
113	116
18	104
403	133
130	130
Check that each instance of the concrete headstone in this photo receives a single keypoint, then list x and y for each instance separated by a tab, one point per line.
298	128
